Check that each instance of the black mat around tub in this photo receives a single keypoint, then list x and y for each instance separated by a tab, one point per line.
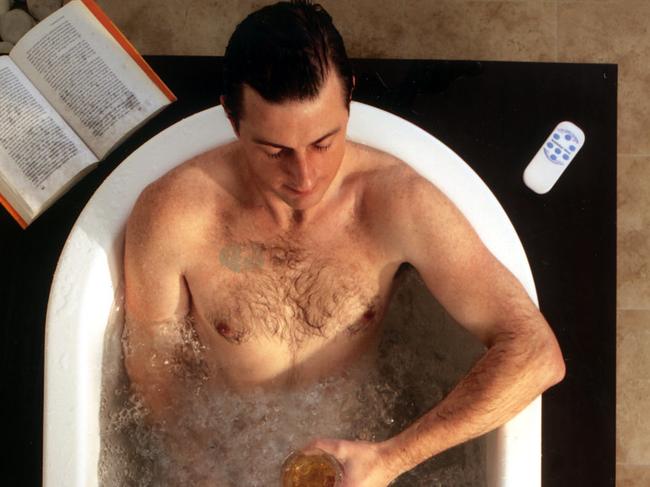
495	115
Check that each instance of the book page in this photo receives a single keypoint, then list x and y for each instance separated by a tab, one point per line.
39	153
87	76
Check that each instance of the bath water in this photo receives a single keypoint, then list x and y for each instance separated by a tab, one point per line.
423	354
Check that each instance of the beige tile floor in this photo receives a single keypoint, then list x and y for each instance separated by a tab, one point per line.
516	30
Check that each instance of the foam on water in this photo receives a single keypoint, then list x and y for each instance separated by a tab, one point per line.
241	440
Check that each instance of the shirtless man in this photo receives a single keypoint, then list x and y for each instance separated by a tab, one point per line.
280	250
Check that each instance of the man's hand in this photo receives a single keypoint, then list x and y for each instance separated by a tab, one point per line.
364	462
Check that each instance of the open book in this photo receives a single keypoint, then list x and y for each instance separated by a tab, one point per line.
71	90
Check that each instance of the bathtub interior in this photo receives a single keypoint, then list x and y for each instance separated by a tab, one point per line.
89	274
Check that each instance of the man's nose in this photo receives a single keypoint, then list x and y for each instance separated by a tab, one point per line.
302	171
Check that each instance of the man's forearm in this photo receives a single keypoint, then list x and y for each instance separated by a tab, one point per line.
164	372
164	365
511	374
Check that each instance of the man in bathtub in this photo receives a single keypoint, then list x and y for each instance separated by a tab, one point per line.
277	253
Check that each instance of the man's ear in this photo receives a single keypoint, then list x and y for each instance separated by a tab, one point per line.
229	115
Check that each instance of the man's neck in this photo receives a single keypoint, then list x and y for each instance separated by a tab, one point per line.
288	219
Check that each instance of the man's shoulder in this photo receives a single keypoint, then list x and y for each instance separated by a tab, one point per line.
387	177
178	199
395	193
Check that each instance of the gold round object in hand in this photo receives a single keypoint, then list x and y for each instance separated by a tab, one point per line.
314	468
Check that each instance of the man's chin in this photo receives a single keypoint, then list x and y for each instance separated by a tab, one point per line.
300	200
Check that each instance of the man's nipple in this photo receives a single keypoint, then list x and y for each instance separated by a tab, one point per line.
228	333
370	314
223	329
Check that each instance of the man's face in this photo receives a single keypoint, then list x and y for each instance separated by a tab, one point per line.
294	145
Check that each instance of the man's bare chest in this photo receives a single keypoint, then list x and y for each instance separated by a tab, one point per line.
280	290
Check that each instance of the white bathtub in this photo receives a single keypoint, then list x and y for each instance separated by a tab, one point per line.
89	271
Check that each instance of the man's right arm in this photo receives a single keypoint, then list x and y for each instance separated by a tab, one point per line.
161	354
156	303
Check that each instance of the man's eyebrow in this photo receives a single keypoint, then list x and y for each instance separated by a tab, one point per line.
273	144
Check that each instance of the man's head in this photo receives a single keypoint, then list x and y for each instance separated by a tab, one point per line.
284	52
287	91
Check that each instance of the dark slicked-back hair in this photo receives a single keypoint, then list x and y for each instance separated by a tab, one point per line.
284	51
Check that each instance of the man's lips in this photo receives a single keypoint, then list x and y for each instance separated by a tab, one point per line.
301	193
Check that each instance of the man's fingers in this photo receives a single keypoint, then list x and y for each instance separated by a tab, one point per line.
329	445
317	443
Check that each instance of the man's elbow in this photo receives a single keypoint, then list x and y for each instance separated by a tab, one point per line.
546	360
559	372
554	364
544	357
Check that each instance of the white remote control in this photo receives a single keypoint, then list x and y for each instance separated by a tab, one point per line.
553	157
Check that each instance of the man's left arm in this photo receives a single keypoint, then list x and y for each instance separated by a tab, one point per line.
523	359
